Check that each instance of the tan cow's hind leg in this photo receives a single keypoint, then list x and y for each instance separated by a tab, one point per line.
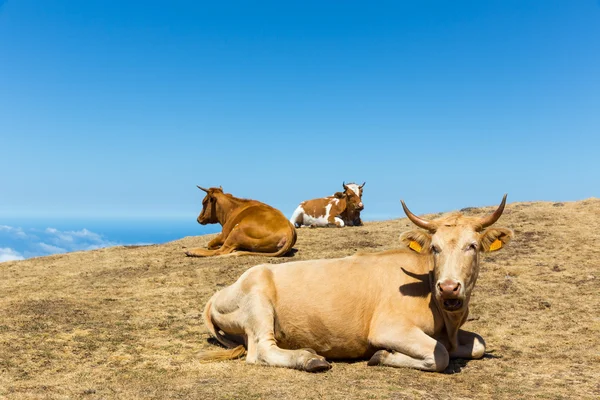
245	309
259	327
412	349
470	346
262	347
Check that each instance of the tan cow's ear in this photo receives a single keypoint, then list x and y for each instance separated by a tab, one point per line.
419	241
493	239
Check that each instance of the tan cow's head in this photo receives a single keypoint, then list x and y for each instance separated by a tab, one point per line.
208	215
353	193
455	242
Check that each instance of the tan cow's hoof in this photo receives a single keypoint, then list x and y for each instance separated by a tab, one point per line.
192	254
377	358
317	365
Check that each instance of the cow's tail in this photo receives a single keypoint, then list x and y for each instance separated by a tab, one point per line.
285	245
232	351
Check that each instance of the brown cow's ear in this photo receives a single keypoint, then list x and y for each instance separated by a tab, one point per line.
339	195
419	241
493	239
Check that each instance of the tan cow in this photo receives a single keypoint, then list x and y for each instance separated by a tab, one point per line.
340	209
399	308
247	225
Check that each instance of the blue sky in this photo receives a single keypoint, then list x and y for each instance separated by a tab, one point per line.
119	108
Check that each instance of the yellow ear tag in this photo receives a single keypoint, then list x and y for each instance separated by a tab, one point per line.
496	245
415	246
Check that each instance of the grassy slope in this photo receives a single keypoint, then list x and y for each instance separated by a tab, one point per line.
125	322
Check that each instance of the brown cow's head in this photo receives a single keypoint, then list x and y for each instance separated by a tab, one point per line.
209	206
353	193
455	242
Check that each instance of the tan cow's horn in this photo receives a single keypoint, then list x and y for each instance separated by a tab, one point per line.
420	222
201	188
491	219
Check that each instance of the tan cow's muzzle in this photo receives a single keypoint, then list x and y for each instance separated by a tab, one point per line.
450	294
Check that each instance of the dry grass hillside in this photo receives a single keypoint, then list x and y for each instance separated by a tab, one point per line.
124	322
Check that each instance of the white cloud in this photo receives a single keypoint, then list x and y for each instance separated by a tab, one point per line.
18	243
64	241
8	254
50	249
18	232
88	235
75	236
58	235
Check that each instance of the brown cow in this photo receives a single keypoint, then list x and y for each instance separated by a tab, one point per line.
399	308
340	209
247	225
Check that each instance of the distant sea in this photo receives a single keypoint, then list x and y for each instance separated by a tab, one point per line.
22	238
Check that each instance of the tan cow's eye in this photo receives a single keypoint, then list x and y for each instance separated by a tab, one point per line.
472	246
435	250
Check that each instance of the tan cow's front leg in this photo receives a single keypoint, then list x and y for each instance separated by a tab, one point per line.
216	242
410	348
470	346
200	252
229	246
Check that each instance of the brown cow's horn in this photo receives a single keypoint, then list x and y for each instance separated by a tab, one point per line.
221	187
361	186
201	188
344	185
420	222
491	219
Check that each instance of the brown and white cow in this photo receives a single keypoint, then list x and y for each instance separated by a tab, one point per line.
340	209
399	308
247	225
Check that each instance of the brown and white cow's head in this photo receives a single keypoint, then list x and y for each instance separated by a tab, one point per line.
353	193
208	215
455	242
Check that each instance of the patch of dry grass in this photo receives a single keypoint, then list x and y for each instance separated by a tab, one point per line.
124	322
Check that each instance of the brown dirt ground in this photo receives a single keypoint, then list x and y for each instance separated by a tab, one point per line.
124	322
